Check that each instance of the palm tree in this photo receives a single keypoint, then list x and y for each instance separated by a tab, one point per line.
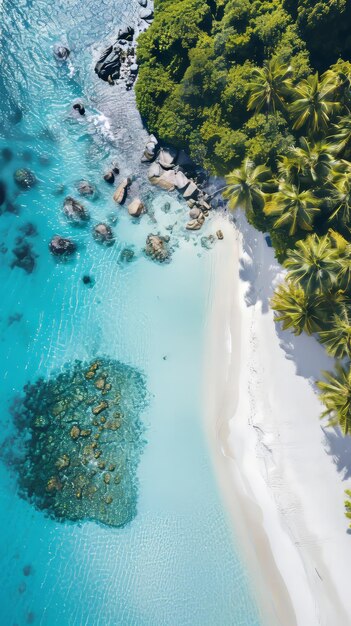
313	265
337	338
342	134
245	186
348	505
313	104
340	197
335	393
268	86
296	310
297	208
314	160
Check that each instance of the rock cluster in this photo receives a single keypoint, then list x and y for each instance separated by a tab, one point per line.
118	61
168	170
80	440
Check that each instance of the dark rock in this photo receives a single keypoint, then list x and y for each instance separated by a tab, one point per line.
29	230
7	154
24	257
87	280
78	106
102	233
109	177
127	34
60	246
75	211
24	178
109	64
2	192
61	53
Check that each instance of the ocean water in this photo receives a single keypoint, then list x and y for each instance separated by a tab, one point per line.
176	563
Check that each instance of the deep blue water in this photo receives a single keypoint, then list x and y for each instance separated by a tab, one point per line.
176	563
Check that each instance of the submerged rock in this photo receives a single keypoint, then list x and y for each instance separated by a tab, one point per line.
24	178
102	233
2	192
157	248
24	257
75	211
61	53
85	188
72	471
61	246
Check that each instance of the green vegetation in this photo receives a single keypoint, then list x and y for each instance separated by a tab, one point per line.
260	92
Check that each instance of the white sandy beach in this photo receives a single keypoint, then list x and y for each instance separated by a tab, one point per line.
282	473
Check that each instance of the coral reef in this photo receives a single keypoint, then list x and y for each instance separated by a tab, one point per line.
81	439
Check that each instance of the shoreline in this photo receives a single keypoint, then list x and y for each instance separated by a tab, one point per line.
266	442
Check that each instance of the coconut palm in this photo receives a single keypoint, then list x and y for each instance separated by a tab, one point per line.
296	310
342	133
335	393
313	104
313	160
348	505
337	338
245	186
268	86
340	197
297	209
313	264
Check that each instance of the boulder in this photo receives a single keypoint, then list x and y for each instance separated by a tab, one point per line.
60	246
181	181
121	191
85	188
191	191
136	208
24	178
168	157
79	107
142	3
75	211
102	233
115	167
109	63
154	172
156	248
146	14
219	234
194	213
61	53
193	225
126	34
109	177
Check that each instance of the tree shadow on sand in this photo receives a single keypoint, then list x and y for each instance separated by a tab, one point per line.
339	448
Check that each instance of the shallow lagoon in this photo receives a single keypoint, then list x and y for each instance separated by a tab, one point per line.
176	562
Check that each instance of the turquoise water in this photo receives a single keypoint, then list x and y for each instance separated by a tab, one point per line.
176	563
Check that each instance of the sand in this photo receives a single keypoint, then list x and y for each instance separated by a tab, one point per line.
282	472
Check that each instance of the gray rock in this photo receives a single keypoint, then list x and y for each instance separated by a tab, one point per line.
194	213
85	188
168	157
146	14
142	3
